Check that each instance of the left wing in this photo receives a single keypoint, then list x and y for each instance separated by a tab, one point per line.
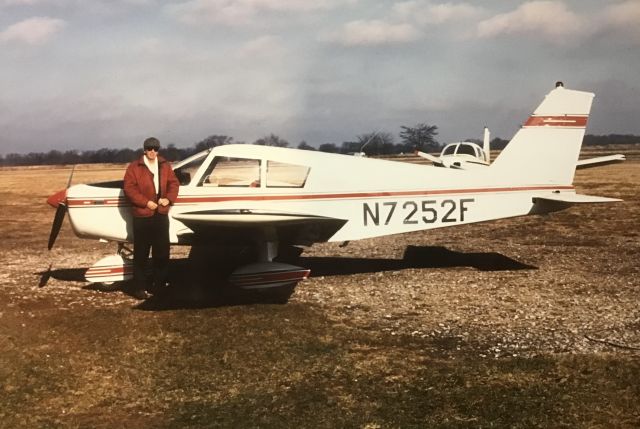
292	228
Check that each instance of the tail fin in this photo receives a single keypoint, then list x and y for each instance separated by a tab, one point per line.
486	144
545	150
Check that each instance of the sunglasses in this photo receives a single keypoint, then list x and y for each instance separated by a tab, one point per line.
148	149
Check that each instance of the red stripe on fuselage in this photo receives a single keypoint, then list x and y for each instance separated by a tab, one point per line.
97	202
570	121
354	195
195	199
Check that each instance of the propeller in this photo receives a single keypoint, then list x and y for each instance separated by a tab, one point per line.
61	211
59	200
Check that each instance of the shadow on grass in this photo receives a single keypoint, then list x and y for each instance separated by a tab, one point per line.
64	274
199	284
414	257
190	286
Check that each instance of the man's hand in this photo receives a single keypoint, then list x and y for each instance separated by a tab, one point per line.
163	202
151	205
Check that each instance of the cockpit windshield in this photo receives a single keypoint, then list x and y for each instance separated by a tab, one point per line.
466	149
187	168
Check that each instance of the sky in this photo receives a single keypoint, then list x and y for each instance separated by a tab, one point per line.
88	74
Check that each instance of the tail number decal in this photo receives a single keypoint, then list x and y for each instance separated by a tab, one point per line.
415	212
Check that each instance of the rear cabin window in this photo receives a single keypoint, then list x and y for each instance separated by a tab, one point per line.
233	172
465	149
449	150
284	175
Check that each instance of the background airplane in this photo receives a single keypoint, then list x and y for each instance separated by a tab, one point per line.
468	155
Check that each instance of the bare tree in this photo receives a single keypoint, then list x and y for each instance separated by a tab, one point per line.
376	143
305	146
420	137
328	147
213	141
272	140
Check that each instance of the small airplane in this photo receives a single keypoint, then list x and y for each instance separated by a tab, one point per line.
268	197
462	155
469	155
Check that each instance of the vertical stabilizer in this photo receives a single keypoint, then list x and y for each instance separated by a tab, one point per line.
486	144
545	150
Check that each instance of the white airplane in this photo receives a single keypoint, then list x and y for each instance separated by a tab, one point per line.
468	155
462	155
268	196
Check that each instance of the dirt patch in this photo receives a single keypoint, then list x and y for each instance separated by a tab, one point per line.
530	322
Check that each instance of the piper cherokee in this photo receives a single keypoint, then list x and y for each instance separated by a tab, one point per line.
264	197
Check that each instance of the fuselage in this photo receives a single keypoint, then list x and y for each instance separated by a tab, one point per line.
373	197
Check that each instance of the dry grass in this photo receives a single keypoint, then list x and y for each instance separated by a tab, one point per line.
478	326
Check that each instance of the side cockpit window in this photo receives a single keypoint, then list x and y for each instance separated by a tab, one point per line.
232	172
284	175
466	149
449	150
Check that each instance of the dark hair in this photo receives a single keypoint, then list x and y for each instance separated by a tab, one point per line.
151	143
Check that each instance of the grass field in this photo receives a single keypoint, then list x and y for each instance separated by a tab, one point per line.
529	322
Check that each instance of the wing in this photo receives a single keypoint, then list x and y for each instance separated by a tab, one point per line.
434	159
600	161
250	224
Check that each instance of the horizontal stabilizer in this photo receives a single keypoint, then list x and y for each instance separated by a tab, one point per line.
600	161
554	203
575	199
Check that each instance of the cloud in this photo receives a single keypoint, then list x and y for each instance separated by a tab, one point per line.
240	12
32	31
624	17
82	8
373	33
426	12
18	2
551	20
269	47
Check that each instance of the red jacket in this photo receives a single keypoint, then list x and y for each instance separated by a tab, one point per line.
139	188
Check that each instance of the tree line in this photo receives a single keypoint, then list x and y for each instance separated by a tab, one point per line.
419	137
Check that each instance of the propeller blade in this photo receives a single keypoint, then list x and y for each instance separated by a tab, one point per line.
59	200
71	176
61	211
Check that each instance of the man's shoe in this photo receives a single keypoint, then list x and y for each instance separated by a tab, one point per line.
140	294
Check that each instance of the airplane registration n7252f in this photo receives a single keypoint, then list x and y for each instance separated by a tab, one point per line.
266	197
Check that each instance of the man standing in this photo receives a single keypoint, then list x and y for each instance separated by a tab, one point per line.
152	187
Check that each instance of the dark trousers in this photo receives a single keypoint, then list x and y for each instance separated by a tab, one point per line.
151	233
